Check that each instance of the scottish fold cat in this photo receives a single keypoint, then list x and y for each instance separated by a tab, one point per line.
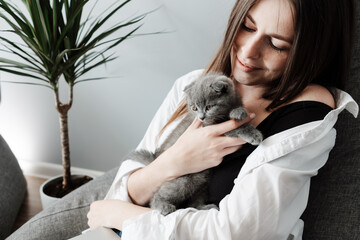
213	99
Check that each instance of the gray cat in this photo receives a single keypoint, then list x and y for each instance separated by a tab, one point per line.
213	99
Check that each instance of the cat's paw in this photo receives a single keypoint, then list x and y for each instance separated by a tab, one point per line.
167	209
238	113
256	138
208	206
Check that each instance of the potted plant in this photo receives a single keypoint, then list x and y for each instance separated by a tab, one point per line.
58	41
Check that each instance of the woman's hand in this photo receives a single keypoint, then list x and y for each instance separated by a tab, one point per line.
112	213
197	149
200	148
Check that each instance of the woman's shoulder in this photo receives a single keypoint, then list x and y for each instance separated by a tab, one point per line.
318	93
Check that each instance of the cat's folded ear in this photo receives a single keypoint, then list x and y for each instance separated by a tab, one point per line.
220	86
188	87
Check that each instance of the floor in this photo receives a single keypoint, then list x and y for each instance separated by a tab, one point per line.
32	204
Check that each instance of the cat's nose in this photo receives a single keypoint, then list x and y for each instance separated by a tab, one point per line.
201	118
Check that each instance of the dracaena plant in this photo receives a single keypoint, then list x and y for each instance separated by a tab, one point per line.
56	40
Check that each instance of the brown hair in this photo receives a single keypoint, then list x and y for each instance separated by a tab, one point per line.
320	51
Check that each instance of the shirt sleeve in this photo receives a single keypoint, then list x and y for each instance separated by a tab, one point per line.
118	189
265	203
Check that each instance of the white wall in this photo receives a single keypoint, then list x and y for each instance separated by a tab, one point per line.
109	117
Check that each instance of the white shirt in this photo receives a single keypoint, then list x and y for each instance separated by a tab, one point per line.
270	192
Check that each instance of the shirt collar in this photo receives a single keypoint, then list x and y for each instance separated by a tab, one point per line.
292	139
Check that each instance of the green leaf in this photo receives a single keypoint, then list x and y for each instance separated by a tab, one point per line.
61	40
12	62
21	73
43	23
69	23
94	27
90	79
16	46
101	62
29	83
25	26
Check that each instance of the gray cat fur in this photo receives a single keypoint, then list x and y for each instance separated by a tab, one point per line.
190	190
218	91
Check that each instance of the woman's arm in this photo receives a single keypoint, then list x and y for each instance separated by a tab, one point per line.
196	150
186	156
143	183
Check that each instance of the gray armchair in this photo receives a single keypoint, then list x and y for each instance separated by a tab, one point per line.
12	188
333	210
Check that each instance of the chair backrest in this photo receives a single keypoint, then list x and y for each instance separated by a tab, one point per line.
333	210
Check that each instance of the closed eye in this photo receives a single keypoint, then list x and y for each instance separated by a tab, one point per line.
274	47
246	28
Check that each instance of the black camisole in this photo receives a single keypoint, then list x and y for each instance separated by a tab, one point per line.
286	117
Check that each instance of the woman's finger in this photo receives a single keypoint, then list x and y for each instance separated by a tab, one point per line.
224	127
231	141
195	124
229	150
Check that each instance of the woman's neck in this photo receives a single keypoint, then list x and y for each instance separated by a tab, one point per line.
250	93
253	101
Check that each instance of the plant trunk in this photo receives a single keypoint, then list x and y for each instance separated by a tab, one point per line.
63	110
64	132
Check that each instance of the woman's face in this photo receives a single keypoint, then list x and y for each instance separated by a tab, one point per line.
263	42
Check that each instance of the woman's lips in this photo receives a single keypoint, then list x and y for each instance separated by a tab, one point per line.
246	67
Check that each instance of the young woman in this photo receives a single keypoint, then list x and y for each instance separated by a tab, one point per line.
285	57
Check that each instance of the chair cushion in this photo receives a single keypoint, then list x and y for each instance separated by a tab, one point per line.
12	188
334	202
69	213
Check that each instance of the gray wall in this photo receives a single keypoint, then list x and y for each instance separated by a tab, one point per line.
109	117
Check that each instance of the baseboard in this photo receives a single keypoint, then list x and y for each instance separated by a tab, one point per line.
48	170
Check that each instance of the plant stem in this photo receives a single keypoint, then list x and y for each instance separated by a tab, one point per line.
64	132
63	110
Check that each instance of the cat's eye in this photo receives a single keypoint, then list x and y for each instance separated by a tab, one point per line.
208	107
194	108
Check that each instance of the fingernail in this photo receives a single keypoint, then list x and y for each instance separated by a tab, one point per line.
252	115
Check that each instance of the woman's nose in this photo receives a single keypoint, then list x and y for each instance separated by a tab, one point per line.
251	48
